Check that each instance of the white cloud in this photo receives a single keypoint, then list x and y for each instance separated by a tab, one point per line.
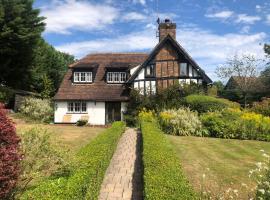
268	19
245	29
258	8
134	16
220	15
142	2
65	16
247	19
207	48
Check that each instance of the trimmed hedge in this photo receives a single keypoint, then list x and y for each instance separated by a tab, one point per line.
85	181
202	103
163	177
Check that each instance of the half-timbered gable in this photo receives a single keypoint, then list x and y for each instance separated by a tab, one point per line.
167	64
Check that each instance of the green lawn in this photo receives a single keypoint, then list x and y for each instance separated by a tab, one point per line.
225	163
72	136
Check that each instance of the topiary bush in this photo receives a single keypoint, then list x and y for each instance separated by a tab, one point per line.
163	176
10	155
180	122
202	103
81	122
37	109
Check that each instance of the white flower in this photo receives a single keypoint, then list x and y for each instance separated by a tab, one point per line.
259	164
261	191
203	176
265	155
261	150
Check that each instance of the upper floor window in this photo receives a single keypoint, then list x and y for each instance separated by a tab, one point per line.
183	69
82	77
77	107
150	70
116	77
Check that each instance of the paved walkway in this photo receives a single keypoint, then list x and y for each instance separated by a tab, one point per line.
123	178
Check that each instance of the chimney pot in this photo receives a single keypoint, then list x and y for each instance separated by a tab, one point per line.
167	28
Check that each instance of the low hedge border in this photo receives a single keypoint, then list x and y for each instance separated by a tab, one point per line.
163	177
86	179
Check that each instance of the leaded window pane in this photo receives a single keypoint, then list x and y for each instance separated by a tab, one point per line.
183	69
83	106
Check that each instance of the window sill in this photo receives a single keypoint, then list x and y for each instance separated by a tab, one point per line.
77	113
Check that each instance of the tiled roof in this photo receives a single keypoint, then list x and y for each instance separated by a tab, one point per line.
99	90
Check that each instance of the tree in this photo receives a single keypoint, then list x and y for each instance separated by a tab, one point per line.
244	71
265	75
48	68
9	156
21	29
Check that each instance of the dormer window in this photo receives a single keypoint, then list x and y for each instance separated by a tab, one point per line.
150	70
82	77
116	77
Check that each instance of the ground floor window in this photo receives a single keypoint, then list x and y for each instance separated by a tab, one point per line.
77	107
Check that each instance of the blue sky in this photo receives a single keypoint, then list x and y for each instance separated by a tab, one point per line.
210	30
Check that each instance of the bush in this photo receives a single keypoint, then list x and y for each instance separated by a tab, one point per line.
180	122
262	107
43	157
81	122
163	176
237	124
85	181
6	95
202	103
37	109
9	155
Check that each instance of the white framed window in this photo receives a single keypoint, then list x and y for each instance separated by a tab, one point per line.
116	77
82	77
77	107
190	70
195	72
150	70
183	69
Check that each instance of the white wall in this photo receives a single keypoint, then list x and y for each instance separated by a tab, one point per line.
95	111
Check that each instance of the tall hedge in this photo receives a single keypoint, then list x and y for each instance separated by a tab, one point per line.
9	155
86	179
163	176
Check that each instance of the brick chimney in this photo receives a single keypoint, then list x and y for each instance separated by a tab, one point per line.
167	27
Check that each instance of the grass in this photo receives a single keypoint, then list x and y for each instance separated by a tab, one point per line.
72	136
228	161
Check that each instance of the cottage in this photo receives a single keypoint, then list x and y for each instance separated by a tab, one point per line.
96	88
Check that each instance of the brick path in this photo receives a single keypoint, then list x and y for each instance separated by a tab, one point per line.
123	178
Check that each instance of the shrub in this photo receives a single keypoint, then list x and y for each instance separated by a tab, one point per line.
6	95
233	123
9	155
180	122
202	103
43	157
262	107
85	181
81	122
37	109
163	176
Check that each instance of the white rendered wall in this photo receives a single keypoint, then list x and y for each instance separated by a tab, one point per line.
95	112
